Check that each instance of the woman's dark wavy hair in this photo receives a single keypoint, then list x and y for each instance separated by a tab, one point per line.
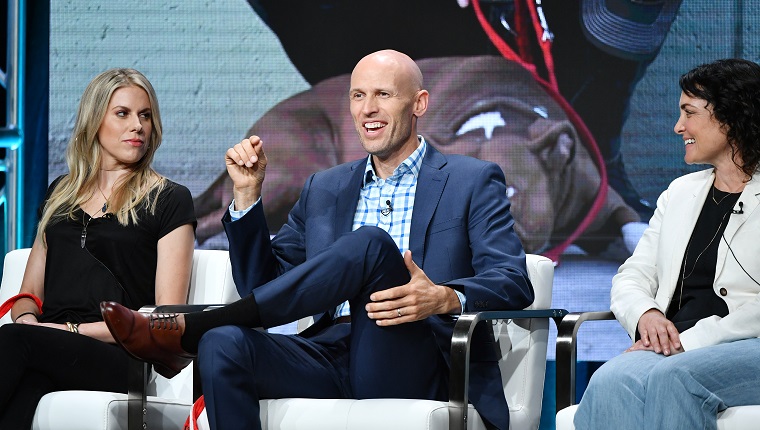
732	88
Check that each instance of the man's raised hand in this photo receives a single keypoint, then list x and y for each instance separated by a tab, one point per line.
246	165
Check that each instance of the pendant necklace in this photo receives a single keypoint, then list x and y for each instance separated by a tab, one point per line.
103	209
717	202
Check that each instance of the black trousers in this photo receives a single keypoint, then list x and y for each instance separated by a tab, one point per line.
38	360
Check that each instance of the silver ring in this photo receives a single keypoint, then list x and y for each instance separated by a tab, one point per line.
398	311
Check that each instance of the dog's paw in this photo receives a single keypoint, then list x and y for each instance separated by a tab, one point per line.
632	232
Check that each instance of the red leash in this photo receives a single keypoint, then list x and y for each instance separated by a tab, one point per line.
544	40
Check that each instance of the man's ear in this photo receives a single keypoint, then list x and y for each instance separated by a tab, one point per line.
420	103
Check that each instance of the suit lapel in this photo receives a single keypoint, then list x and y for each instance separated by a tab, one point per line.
348	196
430	184
348	187
750	200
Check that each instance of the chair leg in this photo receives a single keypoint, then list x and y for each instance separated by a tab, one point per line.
566	353
137	406
197	388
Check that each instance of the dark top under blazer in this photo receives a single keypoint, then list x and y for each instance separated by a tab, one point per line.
462	235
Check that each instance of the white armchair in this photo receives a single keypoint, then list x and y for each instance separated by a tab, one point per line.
736	418
522	337
168	401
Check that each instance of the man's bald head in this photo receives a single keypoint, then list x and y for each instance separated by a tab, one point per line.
398	62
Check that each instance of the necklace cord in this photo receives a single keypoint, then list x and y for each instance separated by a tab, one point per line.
684	275
103	209
105	204
721	200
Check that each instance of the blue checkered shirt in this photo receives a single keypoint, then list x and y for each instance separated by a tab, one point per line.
389	203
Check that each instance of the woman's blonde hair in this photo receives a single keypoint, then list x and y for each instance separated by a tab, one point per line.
83	156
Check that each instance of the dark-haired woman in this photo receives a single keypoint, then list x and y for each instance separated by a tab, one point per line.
689	295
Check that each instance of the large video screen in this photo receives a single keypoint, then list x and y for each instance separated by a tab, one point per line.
226	69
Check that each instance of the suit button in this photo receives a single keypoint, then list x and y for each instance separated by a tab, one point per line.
723	292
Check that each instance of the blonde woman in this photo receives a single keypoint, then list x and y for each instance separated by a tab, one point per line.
111	229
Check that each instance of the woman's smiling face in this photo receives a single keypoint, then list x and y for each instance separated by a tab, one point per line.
704	138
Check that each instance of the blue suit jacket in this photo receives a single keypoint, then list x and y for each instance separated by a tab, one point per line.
461	236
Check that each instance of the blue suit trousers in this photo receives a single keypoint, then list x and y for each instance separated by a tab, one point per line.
240	365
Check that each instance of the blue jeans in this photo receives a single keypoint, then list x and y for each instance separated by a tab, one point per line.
646	390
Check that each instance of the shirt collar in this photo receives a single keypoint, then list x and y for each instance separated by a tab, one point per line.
412	164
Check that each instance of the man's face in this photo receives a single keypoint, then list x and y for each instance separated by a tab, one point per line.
382	103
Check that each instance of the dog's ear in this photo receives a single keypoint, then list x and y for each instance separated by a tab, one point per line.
554	142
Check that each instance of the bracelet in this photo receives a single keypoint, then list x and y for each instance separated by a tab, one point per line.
24	313
73	327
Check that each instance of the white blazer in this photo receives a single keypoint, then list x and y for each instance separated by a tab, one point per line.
649	278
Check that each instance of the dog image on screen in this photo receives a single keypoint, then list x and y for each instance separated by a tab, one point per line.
481	106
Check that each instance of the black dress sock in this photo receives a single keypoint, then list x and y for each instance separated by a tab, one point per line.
244	312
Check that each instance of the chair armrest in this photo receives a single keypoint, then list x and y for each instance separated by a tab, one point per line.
178	309
460	356
566	355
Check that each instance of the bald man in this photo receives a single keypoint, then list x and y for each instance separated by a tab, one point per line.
385	251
